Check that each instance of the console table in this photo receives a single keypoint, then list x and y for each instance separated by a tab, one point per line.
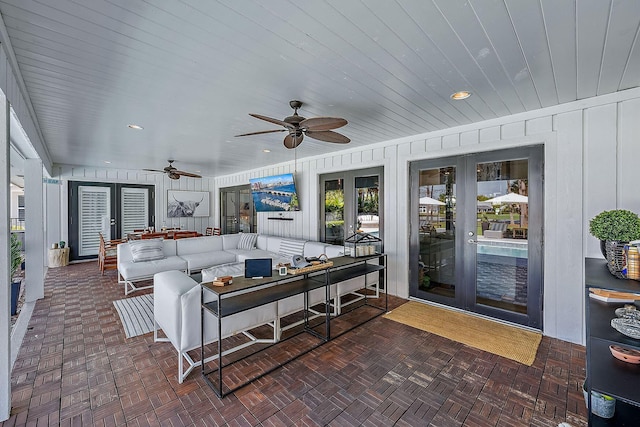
245	294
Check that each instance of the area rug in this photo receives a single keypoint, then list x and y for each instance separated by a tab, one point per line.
494	337
136	314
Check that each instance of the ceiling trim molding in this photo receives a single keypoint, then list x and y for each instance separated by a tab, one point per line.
39	146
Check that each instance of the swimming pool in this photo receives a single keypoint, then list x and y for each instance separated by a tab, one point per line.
513	252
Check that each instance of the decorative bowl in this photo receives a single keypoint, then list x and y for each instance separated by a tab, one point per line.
625	326
625	354
628	313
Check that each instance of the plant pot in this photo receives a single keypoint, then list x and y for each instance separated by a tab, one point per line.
616	258
15	293
603	248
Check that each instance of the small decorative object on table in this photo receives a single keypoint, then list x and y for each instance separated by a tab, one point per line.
362	244
625	354
626	326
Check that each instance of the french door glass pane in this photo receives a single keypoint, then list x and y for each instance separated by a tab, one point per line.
437	216
334	211
94	213
134	209
245	211
368	205
502	249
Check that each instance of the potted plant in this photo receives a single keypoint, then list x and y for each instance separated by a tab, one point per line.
16	261
615	228
617	225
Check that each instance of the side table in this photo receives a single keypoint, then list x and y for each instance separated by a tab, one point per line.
59	257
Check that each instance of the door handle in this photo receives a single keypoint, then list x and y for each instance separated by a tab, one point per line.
473	242
112	221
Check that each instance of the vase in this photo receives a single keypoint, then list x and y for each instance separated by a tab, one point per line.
616	258
15	293
603	248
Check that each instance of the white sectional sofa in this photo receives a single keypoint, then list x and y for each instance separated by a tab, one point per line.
177	296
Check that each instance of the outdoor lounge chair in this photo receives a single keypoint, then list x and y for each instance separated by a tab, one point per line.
497	230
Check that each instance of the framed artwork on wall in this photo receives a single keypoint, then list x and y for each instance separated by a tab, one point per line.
184	204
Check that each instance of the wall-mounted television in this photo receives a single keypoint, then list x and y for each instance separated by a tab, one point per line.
274	193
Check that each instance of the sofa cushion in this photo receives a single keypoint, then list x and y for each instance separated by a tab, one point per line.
242	254
247	241
235	269
197	262
131	271
230	241
146	250
198	245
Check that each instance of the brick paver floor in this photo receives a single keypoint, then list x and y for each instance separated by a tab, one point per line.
76	367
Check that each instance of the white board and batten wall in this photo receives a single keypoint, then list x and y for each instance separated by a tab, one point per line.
160	181
591	155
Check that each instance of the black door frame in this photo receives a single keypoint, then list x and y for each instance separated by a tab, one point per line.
465	271
116	189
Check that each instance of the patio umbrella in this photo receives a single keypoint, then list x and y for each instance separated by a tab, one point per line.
430	201
508	198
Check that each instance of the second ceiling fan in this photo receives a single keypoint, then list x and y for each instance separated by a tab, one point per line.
316	127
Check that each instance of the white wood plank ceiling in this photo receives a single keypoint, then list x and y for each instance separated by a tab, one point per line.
189	71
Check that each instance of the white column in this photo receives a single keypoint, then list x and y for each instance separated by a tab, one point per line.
35	246
5	262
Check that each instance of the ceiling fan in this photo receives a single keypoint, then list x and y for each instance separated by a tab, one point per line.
316	127
174	173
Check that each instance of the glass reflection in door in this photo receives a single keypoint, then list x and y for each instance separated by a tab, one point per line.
368	205
502	244
437	218
334	211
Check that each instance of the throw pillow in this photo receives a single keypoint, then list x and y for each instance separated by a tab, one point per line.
146	250
247	241
290	248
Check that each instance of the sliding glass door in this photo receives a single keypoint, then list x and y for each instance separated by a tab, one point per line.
236	210
476	233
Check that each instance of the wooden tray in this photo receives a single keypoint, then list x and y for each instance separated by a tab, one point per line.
310	269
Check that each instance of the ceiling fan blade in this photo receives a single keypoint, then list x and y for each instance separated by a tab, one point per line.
189	174
262	131
328	136
322	123
153	170
269	119
292	141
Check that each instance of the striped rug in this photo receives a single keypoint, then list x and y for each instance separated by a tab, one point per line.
136	314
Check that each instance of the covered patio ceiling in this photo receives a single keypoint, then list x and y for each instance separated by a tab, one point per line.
190	71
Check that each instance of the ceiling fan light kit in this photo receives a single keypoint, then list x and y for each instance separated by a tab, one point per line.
298	127
173	173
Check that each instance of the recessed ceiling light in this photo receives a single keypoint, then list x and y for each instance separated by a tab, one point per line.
198	171
136	127
107	162
463	94
266	151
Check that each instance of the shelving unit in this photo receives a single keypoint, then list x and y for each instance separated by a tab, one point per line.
606	374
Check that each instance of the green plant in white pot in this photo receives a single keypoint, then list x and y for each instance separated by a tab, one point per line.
16	260
615	228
